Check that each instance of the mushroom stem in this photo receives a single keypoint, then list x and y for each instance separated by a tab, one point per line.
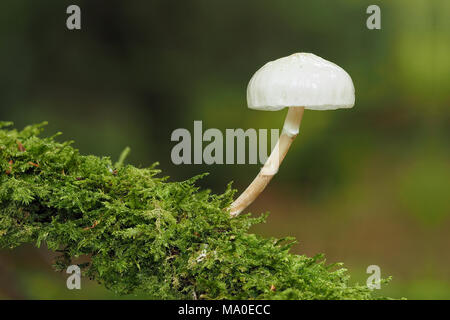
290	131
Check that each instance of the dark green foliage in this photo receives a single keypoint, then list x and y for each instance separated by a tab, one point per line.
144	234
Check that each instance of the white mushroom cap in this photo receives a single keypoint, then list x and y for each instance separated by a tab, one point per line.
300	80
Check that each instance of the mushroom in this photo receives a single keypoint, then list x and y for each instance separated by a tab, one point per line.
298	82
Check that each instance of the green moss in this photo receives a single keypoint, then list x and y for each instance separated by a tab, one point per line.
145	234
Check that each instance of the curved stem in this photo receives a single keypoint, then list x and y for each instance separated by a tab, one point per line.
270	168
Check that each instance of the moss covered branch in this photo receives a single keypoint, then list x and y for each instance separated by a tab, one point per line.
142	233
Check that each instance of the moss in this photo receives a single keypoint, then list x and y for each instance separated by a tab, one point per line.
142	233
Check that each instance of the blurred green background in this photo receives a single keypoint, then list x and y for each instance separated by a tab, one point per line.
365	186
